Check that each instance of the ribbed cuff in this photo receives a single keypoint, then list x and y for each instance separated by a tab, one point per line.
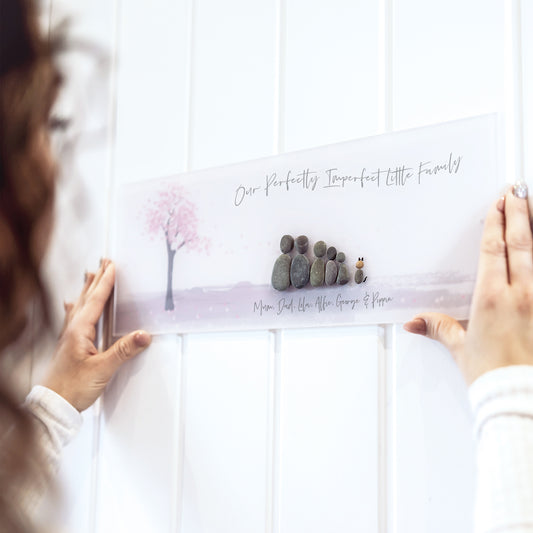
506	391
59	416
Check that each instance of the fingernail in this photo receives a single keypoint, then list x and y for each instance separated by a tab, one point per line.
142	338
520	190
501	204
417	325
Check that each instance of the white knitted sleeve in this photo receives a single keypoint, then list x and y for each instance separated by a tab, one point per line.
59	422
502	402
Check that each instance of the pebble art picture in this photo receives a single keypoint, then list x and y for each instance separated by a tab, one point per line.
368	231
297	271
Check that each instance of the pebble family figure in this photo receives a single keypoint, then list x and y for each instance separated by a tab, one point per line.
331	266
343	275
318	267
300	264
359	274
298	271
282	267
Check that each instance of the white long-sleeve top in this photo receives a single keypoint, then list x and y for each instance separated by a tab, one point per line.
57	422
502	403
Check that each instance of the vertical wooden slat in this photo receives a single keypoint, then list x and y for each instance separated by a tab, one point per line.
233	81
224	485
527	90
329	430
178	466
272	434
280	77
152	90
273	496
331	72
386	65
389	483
434	445
138	454
448	60
385	424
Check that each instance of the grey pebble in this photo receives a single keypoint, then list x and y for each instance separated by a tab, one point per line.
341	257
317	272
359	276
331	272
320	249
281	273
300	271
343	276
302	243
332	252
286	244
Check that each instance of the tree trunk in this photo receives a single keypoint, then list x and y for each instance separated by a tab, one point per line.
169	300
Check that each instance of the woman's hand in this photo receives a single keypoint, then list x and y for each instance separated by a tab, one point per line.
78	372
500	330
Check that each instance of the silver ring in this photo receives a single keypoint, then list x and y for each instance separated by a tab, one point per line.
520	190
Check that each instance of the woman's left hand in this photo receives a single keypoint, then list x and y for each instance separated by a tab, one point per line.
78	372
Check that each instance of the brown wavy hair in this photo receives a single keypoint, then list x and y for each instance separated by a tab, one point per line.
28	86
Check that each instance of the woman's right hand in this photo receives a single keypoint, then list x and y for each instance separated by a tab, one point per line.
500	329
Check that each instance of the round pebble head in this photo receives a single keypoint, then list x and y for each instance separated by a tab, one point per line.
286	244
302	243
320	248
341	257
332	252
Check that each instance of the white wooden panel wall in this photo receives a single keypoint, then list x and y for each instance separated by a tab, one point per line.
344	429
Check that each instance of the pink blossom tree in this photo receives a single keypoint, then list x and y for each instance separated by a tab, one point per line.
172	215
